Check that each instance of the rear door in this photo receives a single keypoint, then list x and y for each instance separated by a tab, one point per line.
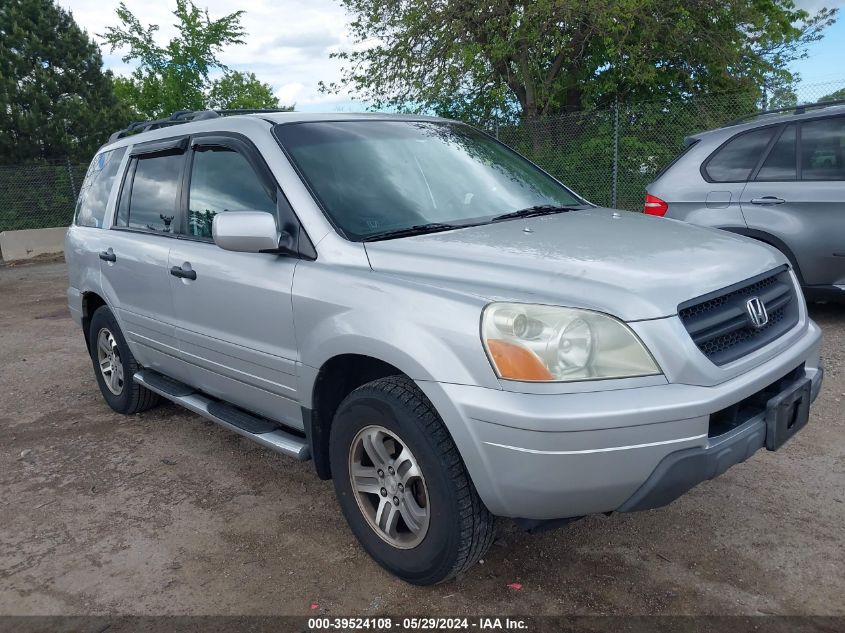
86	238
797	196
135	254
726	171
234	319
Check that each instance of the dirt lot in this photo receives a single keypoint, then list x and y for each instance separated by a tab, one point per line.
165	513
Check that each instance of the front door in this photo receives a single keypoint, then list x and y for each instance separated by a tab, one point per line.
234	319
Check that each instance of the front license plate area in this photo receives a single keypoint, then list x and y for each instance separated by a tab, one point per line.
787	413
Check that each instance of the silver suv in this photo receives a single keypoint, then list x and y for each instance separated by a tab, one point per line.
449	333
778	178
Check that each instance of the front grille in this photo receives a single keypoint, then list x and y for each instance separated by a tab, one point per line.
719	322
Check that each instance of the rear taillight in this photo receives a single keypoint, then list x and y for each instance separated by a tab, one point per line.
654	205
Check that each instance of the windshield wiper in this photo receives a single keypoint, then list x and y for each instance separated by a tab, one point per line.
537	209
435	227
417	229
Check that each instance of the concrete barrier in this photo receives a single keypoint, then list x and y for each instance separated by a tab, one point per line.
31	242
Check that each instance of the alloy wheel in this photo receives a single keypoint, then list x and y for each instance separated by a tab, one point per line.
108	359
389	487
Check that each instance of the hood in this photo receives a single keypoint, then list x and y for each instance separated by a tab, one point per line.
630	265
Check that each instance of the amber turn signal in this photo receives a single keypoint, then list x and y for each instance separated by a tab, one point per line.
516	362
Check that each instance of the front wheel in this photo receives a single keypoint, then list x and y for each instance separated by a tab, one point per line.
402	485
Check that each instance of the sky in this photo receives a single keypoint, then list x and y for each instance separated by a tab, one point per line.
289	42
287	45
823	68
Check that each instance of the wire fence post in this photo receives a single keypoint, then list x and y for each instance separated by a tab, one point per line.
615	173
70	177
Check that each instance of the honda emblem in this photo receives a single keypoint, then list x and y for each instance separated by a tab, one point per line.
757	312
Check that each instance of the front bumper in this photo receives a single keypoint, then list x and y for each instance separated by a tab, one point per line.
682	470
551	456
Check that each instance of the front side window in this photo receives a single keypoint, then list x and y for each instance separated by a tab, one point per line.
222	181
780	163
373	177
823	149
94	194
152	198
737	158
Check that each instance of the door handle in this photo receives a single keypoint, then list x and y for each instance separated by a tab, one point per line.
178	271
767	200
106	256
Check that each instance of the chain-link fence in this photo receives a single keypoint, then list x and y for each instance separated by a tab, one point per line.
608	156
37	196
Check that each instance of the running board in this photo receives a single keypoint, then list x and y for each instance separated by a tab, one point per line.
261	430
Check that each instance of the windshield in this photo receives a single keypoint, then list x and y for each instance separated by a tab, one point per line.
372	177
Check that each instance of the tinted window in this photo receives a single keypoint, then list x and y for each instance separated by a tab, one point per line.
377	176
736	159
94	194
780	163
222	181
152	204
822	148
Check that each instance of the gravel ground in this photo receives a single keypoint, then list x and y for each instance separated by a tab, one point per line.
165	513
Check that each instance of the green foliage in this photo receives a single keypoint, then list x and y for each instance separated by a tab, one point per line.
578	147
481	60
834	96
177	76
236	90
55	99
38	196
780	97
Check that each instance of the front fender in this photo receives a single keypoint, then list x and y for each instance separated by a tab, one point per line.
430	334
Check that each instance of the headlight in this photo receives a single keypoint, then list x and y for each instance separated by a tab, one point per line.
549	344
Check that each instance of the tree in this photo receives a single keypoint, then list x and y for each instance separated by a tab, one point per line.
529	58
242	90
839	95
178	76
56	101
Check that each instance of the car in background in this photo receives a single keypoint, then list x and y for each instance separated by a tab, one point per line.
779	178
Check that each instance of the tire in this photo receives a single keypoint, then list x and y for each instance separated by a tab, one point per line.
123	395
458	529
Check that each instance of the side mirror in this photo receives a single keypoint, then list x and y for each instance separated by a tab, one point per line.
246	232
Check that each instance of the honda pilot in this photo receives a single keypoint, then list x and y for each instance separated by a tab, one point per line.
449	333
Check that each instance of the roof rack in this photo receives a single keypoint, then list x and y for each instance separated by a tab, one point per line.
185	116
796	109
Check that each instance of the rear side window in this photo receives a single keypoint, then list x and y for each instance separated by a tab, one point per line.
822	149
148	202
94	194
737	158
780	164
223	181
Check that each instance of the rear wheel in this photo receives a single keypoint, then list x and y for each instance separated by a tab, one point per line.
402	485
114	366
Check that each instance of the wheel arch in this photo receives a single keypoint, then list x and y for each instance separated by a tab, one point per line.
91	302
771	240
336	378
